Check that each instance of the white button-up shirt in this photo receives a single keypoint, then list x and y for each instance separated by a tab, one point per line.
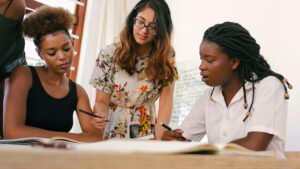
224	124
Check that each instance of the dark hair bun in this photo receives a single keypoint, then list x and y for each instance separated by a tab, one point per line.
46	20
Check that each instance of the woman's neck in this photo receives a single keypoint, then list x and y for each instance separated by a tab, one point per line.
52	77
143	50
230	89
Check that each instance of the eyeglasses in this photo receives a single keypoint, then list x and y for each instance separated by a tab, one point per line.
140	24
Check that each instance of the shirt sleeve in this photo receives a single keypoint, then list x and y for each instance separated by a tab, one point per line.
194	123
103	74
270	108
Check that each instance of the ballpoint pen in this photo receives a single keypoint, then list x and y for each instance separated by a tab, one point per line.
166	126
91	114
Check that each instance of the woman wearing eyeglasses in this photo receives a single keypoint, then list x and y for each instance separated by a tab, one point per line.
132	74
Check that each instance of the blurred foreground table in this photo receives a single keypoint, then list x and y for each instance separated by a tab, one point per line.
27	157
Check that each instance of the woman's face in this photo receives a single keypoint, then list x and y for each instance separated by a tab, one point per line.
216	67
57	51
144	28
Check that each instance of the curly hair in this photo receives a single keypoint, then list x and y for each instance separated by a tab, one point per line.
46	20
158	69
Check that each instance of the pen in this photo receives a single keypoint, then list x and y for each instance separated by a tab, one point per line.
169	128
166	126
91	114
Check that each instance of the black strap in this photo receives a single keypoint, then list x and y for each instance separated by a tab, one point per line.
9	3
35	78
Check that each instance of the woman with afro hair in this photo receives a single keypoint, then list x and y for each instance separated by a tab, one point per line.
40	100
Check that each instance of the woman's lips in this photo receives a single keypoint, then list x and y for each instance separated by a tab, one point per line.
142	37
204	78
64	66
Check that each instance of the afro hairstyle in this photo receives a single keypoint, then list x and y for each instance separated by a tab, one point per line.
47	20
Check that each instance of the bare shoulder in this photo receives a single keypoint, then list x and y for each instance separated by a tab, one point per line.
80	91
21	76
22	72
16	10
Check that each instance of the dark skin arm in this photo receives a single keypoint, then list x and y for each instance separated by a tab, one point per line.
257	141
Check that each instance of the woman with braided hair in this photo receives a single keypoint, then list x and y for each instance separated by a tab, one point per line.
247	102
40	101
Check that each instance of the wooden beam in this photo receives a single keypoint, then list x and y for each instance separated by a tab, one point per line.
32	5
78	30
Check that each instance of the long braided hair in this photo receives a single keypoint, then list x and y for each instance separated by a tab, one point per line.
237	42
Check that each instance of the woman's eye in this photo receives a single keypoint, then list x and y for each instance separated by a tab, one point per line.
67	49
139	22
51	54
152	28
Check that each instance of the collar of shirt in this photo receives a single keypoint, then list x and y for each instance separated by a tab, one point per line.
218	95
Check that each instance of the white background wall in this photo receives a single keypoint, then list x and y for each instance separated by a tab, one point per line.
275	25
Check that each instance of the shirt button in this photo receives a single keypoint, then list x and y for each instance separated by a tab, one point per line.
224	134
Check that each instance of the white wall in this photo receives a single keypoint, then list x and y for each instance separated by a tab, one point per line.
274	24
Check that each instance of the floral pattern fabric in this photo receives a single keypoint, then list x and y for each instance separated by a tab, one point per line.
132	105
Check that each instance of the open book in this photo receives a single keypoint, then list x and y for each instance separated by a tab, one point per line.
31	140
168	147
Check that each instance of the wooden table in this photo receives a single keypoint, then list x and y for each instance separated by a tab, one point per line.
27	157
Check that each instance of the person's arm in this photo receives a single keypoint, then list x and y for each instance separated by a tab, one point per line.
15	103
193	127
102	80
101	108
89	132
165	109
257	141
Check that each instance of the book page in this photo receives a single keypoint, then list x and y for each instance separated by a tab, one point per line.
235	149
148	146
29	140
25	141
63	139
168	147
232	146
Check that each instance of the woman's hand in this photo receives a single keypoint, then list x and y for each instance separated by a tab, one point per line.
100	123
173	135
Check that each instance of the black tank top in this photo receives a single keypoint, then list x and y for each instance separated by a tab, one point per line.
46	112
11	45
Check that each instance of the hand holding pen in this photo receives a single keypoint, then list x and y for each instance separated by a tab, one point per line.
170	134
99	120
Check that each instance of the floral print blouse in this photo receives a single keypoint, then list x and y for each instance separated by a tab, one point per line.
132	105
